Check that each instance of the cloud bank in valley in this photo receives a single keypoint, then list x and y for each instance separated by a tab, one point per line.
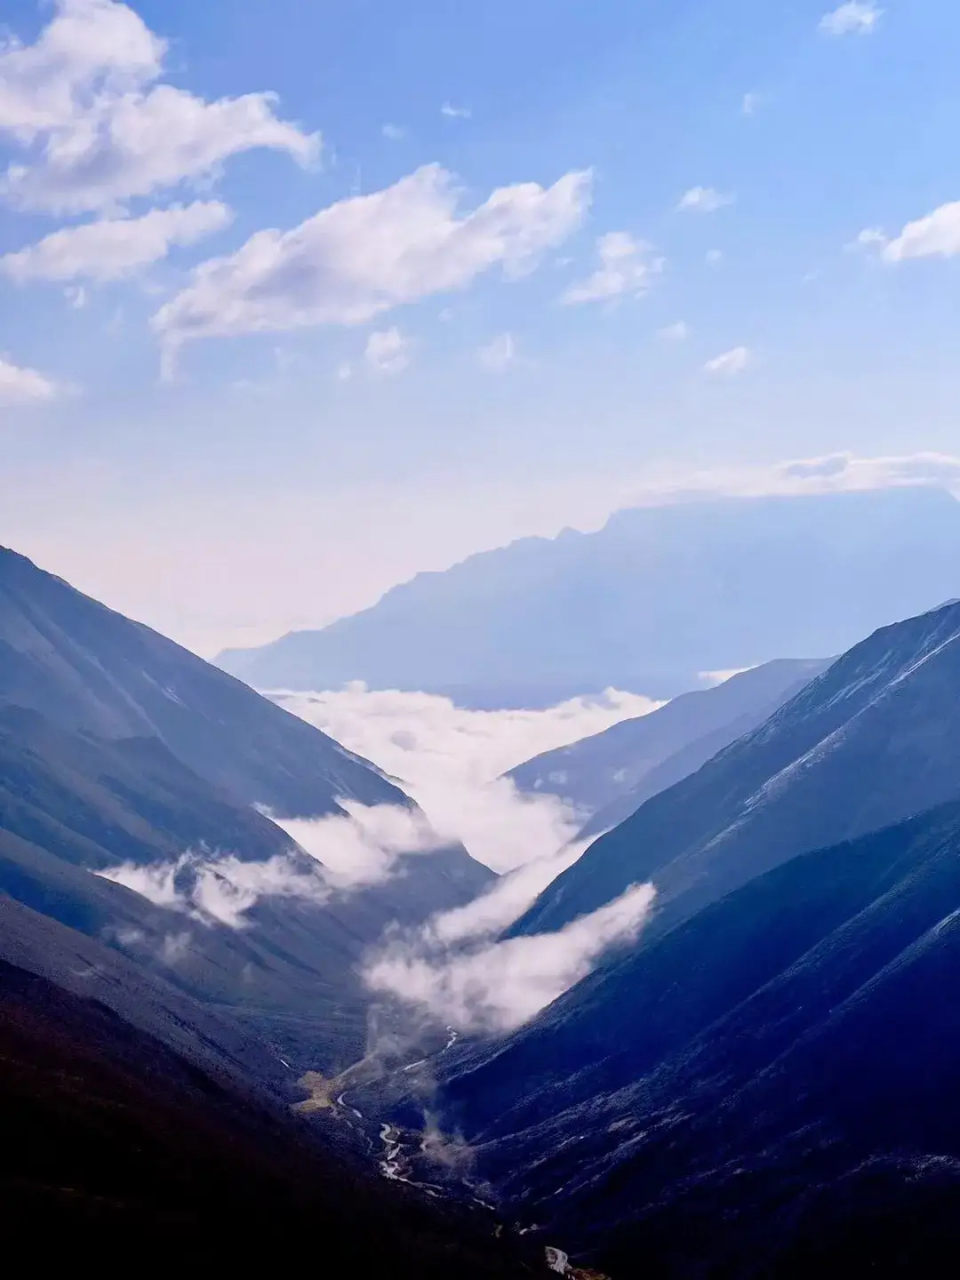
362	848
220	888
347	852
496	987
450	760
452	970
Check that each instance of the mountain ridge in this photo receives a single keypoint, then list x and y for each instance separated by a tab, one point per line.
863	745
648	603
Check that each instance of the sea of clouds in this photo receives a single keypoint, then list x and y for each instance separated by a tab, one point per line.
455	969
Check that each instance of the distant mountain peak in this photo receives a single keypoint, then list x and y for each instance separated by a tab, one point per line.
658	595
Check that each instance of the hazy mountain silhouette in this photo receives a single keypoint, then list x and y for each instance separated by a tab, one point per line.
609	775
655	598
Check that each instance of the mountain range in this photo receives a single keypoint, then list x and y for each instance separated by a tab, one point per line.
655	599
870	741
118	748
607	776
766	1090
762	1085
151	1042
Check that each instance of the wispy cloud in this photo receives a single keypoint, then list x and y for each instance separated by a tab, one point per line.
704	200
393	132
337	854
857	17
678	332
387	351
749	103
830	473
367	254
455	113
115	247
219	889
366	846
22	386
497	987
498	354
626	266
730	363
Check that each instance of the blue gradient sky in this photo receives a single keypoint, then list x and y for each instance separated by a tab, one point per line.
260	488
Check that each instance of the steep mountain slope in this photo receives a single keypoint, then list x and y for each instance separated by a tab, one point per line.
115	1139
873	739
607	768
768	1088
91	670
117	748
71	805
652	600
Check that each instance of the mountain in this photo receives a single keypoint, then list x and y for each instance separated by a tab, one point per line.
91	670
150	1041
114	1138
873	739
120	750
649	603
605	776
767	1090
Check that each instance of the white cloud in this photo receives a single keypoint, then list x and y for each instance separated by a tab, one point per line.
678	332
722	676
393	132
869	238
750	103
455	113
19	386
344	371
499	353
366	845
220	888
506	902
366	254
832	473
84	104
495	988
450	760
857	17
387	351
730	363
115	247
704	200
626	266
713	257
936	235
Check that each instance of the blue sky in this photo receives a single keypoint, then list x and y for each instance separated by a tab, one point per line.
335	405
